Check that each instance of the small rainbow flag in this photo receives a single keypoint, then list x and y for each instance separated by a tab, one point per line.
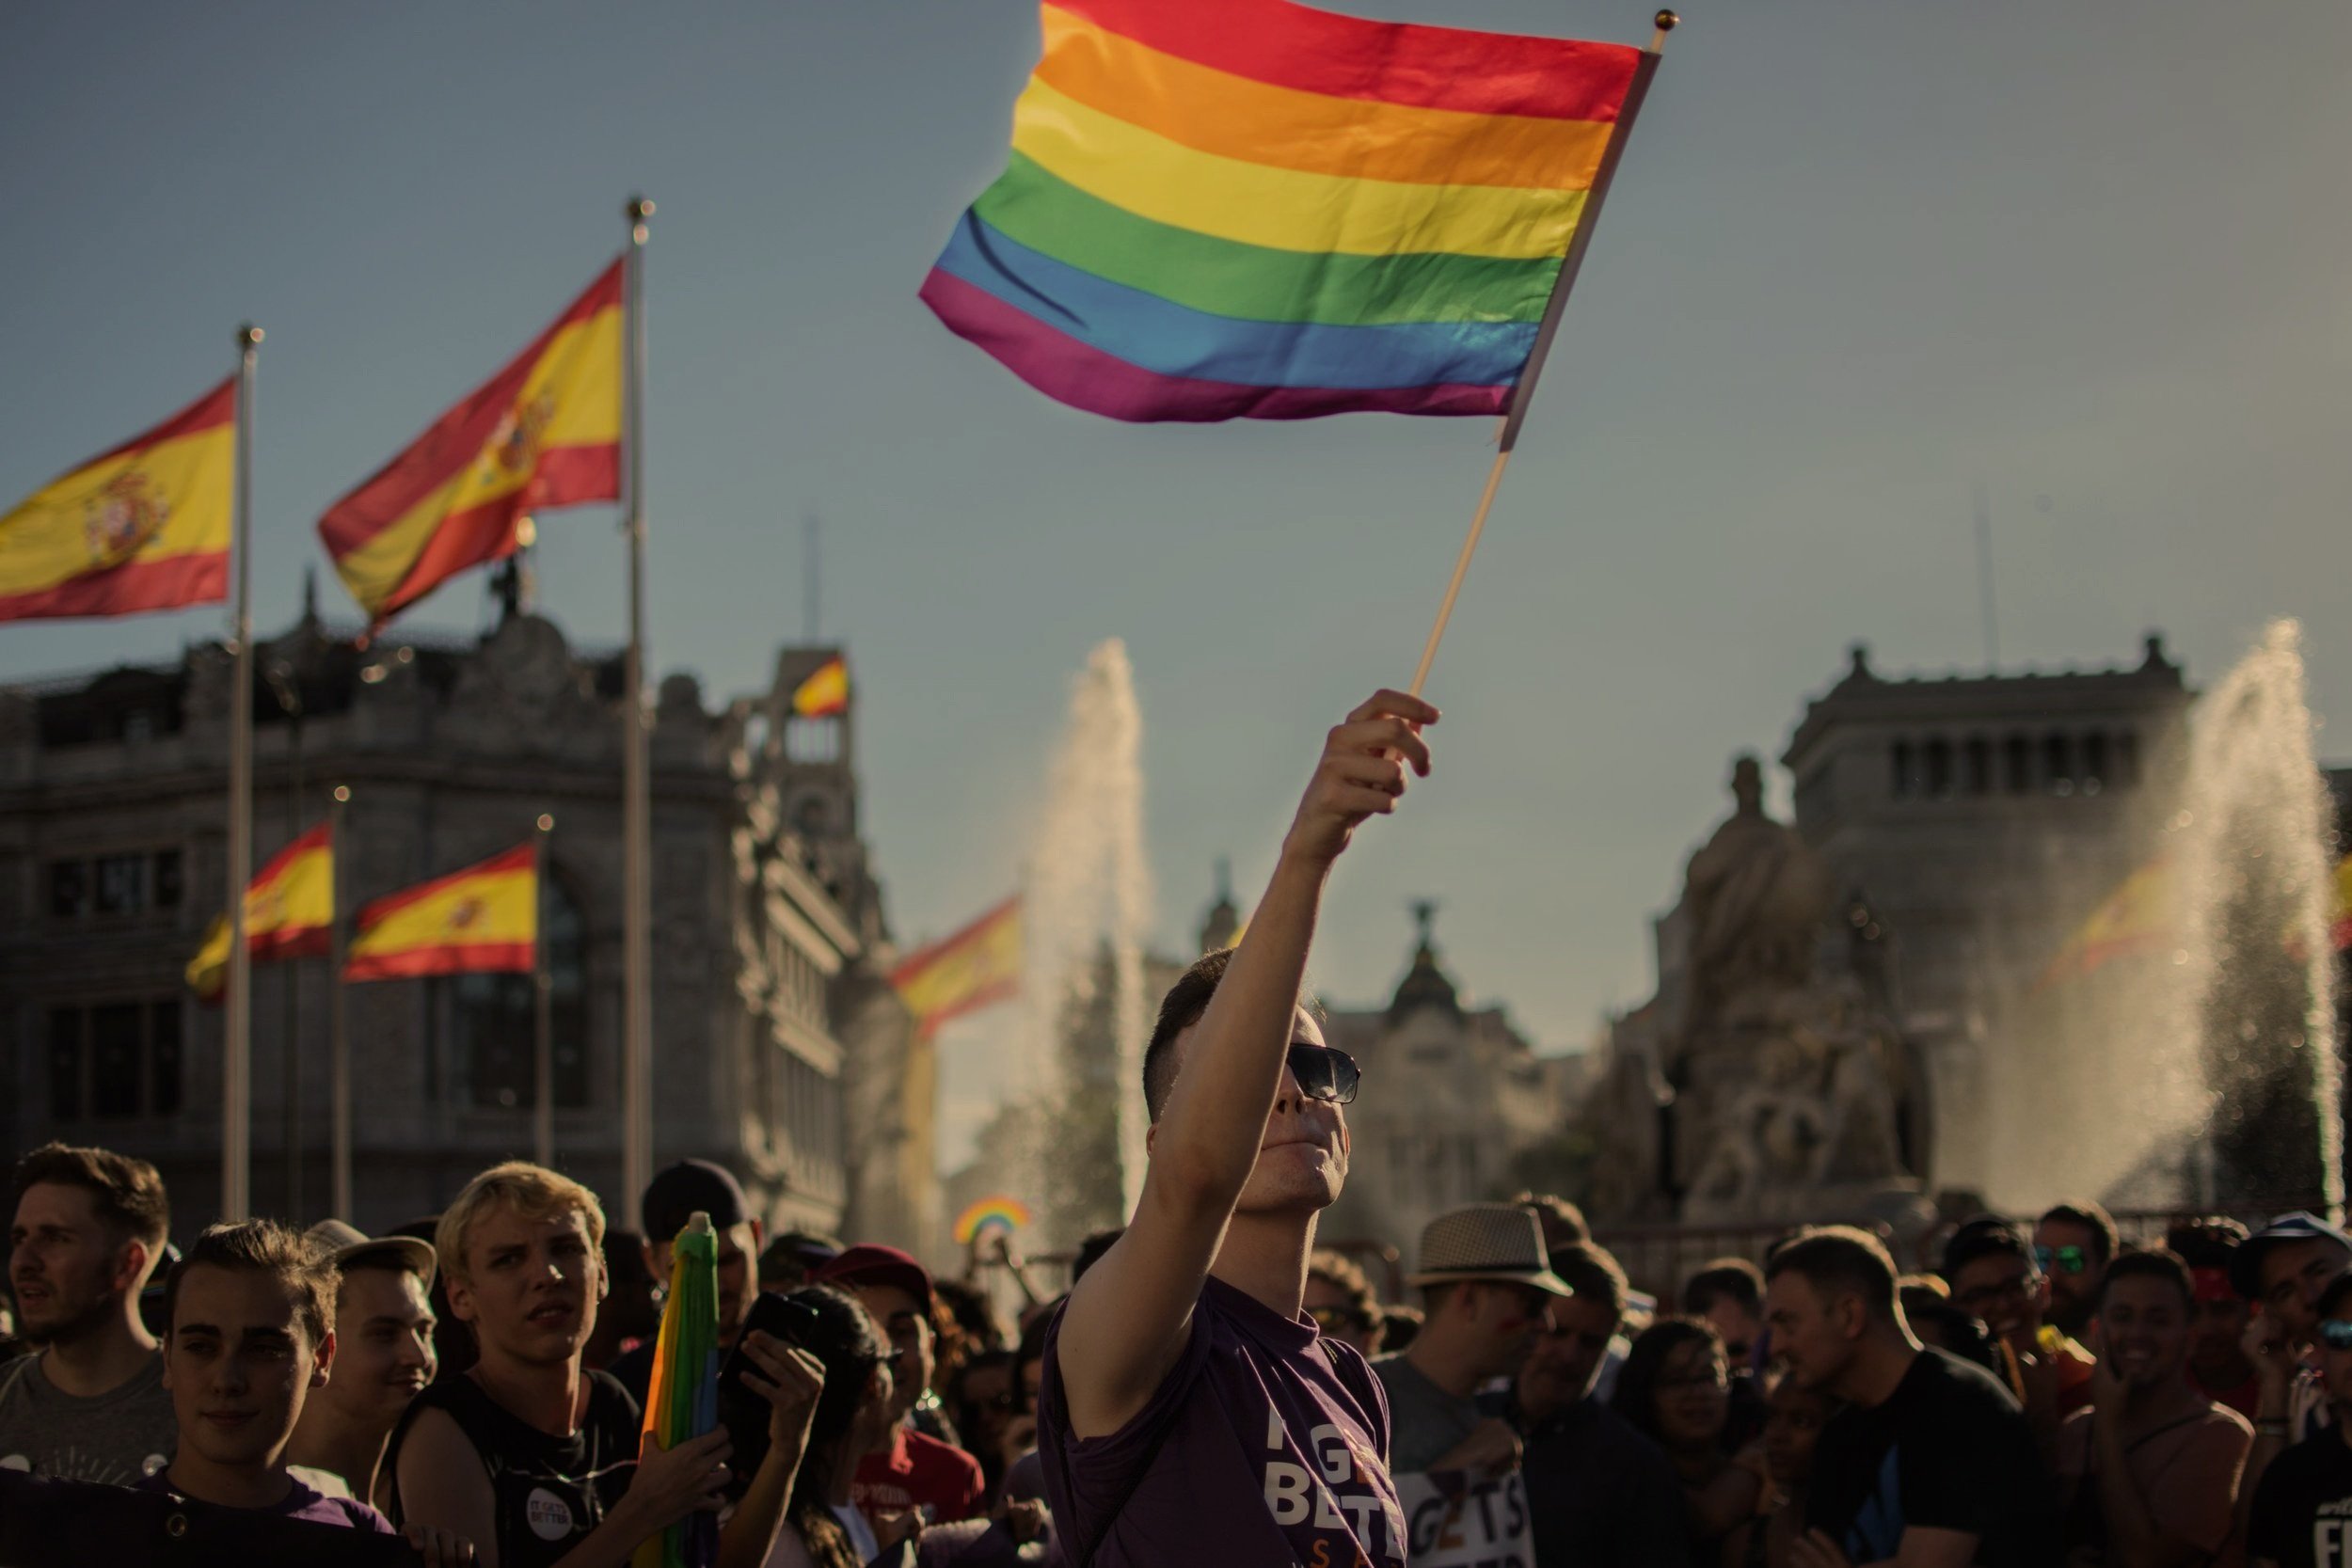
682	1398
990	1213
1225	209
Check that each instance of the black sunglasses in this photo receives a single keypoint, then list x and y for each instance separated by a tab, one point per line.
1324	1073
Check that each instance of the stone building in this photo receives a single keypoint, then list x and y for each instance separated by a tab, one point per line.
778	1047
1968	826
1454	1108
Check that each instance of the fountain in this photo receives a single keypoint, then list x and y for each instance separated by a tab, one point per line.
2194	1067
1087	903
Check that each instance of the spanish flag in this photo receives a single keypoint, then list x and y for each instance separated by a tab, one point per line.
289	912
545	431
2340	907
485	917
143	526
826	692
2137	918
964	972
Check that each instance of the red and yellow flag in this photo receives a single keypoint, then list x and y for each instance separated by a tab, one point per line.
2137	918
289	912
485	917
2340	907
964	972
545	431
143	526
825	692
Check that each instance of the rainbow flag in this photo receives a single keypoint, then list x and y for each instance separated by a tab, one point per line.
682	1395
289	912
1222	208
1008	1214
143	526
485	918
545	431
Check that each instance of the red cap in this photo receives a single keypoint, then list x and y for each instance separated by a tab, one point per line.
866	1264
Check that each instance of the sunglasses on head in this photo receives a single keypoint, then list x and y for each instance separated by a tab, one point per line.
2335	1333
2065	1259
1324	1073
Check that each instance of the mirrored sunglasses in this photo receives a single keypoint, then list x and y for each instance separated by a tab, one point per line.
2064	1260
1324	1073
1339	1319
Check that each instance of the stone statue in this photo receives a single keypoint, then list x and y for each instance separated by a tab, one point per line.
1755	895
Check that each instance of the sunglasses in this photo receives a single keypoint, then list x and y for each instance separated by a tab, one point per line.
1334	1320
2335	1333
2065	1259
1324	1073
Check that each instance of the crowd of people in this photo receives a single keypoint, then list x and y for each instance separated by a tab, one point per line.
1211	1389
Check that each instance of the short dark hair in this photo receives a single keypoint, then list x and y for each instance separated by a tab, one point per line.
1838	1259
2205	1244
1588	1270
265	1246
1735	1277
1401	1322
1986	1236
129	1193
1185	1004
1556	1214
2092	1219
2157	1264
1635	1397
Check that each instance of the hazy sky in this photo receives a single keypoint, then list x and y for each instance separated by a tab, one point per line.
1859	256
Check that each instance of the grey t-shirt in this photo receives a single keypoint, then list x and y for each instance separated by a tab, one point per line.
1426	1422
117	1439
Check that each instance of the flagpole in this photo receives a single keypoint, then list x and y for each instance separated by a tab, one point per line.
1507	437
337	1022
636	793
542	1012
236	1048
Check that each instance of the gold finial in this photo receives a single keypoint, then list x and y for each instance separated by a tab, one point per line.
547	823
1666	22
248	336
343	795
636	211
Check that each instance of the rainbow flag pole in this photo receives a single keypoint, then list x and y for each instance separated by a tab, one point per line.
1508	436
682	1398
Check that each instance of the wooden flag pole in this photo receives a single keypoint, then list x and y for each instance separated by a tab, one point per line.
1507	437
236	1044
636	765
542	1012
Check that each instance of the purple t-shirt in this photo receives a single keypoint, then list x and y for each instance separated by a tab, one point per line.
301	1502
1266	1443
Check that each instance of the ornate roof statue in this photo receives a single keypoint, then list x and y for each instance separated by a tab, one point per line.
1755	895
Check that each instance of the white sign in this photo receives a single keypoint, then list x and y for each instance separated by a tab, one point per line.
1454	1519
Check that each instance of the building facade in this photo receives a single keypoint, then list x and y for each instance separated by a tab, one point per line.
778	1048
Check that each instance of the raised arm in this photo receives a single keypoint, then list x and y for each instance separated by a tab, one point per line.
1126	1322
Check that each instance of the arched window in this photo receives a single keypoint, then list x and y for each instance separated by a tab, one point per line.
494	1025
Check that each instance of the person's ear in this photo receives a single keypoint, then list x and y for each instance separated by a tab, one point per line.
460	1296
131	1265
1150	1135
322	1364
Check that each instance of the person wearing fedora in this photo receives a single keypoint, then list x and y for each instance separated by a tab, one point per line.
383	1358
1189	1411
1486	1289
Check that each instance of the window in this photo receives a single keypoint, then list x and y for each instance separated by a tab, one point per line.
114	1061
2095	763
2018	758
1975	766
2126	760
1902	782
167	885
2057	763
68	890
812	740
121	884
1938	755
494	1018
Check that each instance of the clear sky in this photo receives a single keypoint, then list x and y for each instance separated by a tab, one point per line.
1860	257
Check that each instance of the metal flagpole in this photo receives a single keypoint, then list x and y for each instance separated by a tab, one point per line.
636	793
1508	438
338	1023
542	1013
236	1046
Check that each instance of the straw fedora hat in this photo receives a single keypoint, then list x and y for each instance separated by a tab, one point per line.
1487	1241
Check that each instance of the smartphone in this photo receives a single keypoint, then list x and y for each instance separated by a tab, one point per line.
779	1316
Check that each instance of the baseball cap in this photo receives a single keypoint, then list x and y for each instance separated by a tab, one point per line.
339	1241
1487	1241
678	1192
868	1264
2246	1263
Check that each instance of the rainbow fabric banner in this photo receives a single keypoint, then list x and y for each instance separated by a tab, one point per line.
1008	1214
682	1393
1225	209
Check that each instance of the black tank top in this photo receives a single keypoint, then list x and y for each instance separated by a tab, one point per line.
549	1492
